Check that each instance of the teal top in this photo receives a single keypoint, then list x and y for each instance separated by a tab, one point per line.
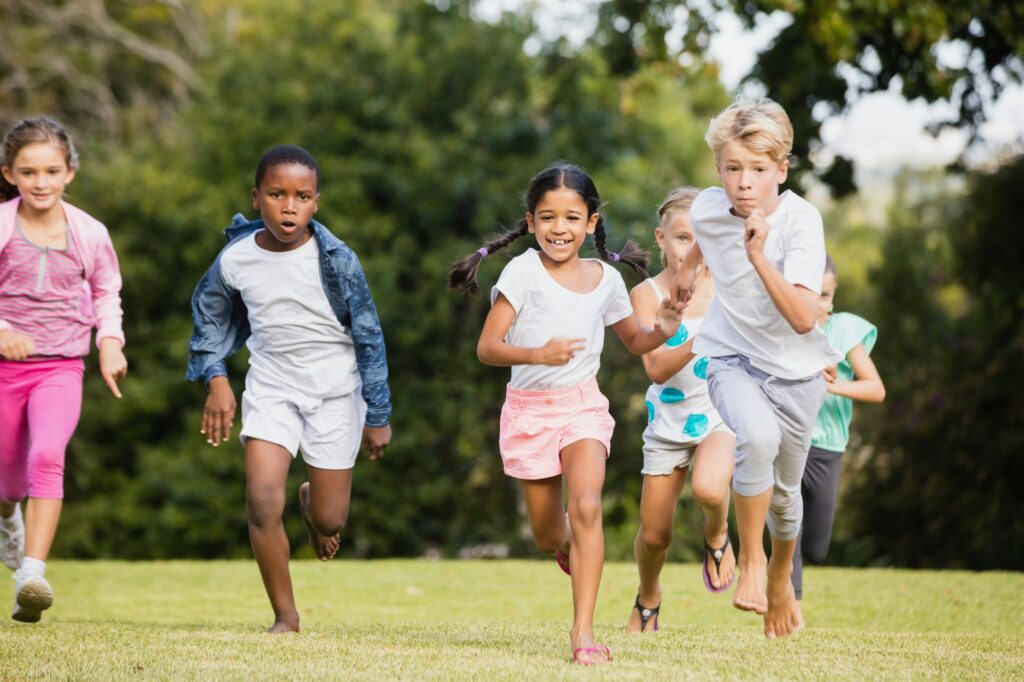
832	427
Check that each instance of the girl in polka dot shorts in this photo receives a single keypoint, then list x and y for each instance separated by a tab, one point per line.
684	431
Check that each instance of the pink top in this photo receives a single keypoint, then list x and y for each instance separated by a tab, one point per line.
56	296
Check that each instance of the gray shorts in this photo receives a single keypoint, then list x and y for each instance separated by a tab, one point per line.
662	457
773	419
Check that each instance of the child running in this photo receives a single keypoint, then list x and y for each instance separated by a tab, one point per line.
683	431
317	378
549	310
855	378
59	278
766	254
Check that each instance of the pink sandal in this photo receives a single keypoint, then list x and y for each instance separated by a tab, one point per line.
563	561
596	649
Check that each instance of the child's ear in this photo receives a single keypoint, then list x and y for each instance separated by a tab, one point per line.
255	199
783	170
592	223
529	223
7	173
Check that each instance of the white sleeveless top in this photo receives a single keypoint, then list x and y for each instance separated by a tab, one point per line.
680	410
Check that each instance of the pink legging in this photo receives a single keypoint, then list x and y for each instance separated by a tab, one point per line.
40	403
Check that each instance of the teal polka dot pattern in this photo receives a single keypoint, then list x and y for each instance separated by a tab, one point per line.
679	338
700	368
671	395
650	411
696	425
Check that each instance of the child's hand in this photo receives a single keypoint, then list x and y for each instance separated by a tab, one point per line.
558	351
15	346
670	315
375	439
830	374
113	364
754	234
219	411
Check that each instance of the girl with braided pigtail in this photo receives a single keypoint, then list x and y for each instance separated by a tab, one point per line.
547	319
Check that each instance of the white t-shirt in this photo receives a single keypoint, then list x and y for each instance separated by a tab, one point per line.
297	341
742	319
545	309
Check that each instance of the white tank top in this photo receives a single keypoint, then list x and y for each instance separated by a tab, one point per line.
680	409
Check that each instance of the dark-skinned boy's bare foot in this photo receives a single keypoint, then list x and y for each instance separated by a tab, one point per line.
283	627
751	587
324	546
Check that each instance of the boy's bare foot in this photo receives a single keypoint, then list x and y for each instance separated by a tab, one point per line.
282	627
647	609
324	546
783	616
586	651
751	587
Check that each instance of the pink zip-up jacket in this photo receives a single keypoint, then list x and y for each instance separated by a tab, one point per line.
101	291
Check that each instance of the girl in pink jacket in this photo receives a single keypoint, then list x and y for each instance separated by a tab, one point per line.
58	279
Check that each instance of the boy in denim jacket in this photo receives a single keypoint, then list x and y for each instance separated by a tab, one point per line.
317	379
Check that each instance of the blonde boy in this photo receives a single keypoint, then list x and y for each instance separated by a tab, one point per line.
766	253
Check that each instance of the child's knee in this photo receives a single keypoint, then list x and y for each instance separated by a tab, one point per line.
548	543
329	522
585	510
709	496
264	505
785	513
653	539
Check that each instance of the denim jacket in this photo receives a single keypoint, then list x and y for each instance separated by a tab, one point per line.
221	323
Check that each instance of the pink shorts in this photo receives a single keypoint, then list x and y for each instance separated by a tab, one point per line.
537	425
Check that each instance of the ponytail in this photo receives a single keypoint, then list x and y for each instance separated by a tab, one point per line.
630	254
462	273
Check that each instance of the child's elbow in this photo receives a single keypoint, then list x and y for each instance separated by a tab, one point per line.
880	393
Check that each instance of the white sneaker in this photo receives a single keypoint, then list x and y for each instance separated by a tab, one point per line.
32	596
12	541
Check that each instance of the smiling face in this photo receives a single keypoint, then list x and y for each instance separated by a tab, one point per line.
40	172
286	199
561	224
675	238
750	179
828	294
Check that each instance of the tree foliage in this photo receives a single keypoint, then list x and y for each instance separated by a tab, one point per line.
884	44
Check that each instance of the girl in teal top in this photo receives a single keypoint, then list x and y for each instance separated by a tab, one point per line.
854	378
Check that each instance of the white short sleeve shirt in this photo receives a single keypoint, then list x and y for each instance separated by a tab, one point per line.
743	320
297	340
545	309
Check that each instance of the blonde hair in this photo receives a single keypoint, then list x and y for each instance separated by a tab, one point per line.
678	200
760	125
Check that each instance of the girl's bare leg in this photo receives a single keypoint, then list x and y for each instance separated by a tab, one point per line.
713	464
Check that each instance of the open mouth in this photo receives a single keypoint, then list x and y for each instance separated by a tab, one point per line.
560	242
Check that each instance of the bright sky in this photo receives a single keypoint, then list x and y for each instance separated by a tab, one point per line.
881	132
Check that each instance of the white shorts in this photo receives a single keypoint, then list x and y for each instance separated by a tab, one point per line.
662	457
328	431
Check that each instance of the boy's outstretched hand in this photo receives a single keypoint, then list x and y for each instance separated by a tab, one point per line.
113	364
376	438
219	411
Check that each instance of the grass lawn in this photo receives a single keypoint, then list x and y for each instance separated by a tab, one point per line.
418	619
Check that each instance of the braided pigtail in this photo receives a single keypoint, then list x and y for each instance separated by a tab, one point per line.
462	273
630	254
